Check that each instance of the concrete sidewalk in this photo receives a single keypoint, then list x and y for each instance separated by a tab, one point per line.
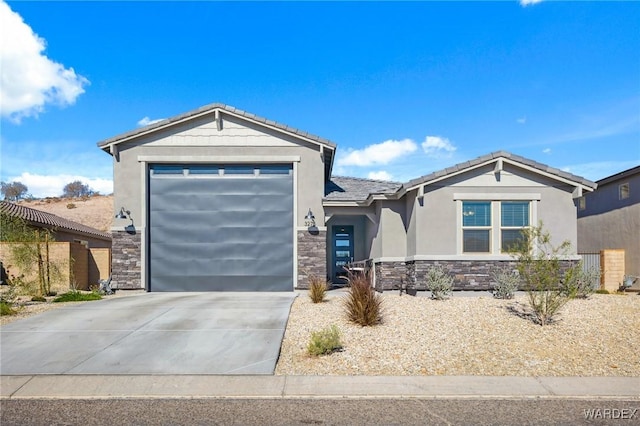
209	386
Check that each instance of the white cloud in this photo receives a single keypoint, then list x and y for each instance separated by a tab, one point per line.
29	79
526	3
380	175
547	150
147	121
379	153
438	147
521	120
41	186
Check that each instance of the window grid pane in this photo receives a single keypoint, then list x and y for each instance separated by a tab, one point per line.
476	241
515	213
511	238
476	213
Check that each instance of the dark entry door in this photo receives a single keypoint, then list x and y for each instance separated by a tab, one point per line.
342	251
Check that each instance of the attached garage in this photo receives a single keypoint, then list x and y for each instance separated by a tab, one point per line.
218	199
220	227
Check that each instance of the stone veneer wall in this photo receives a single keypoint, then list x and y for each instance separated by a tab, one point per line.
390	275
467	274
312	256
126	260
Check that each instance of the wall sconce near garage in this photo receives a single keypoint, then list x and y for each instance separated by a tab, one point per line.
309	219
310	222
126	214
123	214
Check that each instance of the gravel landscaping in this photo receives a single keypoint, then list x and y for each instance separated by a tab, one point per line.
476	335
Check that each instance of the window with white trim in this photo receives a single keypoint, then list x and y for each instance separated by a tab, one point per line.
514	217
476	226
493	226
623	191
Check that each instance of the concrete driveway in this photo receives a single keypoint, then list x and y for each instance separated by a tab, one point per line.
151	333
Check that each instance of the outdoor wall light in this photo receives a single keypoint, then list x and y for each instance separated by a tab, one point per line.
310	219
123	214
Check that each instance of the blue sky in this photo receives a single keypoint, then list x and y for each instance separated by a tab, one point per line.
403	89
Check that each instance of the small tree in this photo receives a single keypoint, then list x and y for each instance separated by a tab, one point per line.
30	252
13	191
77	189
540	268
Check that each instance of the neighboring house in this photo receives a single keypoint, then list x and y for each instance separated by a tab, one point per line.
609	219
85	251
63	230
220	199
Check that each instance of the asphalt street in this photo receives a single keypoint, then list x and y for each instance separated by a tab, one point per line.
465	411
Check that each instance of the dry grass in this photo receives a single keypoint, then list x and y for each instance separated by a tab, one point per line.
96	212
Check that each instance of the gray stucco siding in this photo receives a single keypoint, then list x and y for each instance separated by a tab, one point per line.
436	220
200	141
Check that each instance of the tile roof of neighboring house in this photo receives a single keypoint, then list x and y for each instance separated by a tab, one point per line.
37	217
357	189
209	108
494	155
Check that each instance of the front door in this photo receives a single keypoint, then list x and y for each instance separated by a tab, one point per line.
342	251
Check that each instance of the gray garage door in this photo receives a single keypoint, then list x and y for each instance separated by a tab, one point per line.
221	228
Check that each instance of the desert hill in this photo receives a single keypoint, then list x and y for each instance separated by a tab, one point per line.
96	211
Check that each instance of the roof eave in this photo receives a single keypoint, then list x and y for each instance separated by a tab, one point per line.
106	144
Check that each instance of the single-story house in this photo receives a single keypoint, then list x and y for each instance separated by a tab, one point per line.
85	252
221	199
609	219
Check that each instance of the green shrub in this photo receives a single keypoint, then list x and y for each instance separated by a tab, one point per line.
580	284
325	341
76	296
507	281
539	266
6	308
439	282
317	289
602	291
362	304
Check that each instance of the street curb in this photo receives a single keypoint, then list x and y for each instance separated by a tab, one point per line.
315	387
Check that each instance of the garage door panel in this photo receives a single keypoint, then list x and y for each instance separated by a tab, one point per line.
221	233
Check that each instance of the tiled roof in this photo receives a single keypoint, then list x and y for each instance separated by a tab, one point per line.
210	108
357	189
494	155
37	217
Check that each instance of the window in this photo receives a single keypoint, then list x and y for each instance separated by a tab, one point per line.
623	191
582	203
514	216
493	226
476	226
